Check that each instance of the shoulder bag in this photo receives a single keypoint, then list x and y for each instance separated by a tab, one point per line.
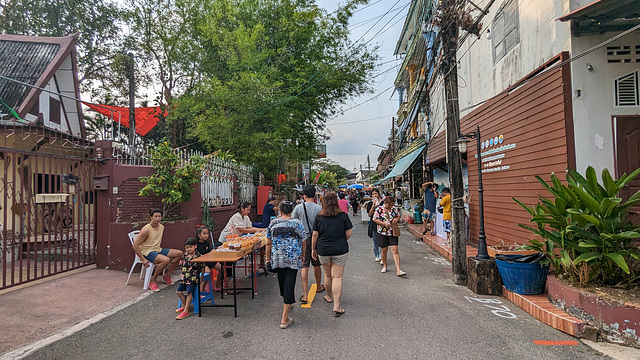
395	229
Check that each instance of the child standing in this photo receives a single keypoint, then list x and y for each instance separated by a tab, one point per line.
190	277
445	202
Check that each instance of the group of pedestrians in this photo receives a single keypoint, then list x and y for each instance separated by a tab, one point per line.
322	241
304	235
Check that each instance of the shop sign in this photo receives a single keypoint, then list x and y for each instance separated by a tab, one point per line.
495	145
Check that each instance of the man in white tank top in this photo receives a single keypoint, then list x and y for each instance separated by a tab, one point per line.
147	247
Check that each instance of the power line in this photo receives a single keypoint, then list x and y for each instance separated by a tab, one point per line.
363	120
283	100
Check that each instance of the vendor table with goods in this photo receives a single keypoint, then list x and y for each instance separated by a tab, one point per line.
235	248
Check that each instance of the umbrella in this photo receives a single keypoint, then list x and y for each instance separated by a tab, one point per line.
342	186
356	186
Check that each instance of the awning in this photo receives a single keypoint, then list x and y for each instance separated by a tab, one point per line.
402	165
605	15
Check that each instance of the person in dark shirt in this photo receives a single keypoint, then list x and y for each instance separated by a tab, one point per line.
268	211
203	246
429	213
331	231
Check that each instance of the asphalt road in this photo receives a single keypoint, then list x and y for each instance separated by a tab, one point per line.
422	316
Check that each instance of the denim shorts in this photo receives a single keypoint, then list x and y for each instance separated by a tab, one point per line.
190	288
446	224
152	255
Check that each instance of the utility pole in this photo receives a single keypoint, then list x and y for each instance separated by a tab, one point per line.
369	169
393	136
132	106
449	68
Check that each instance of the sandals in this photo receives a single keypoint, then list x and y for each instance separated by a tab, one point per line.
303	301
327	300
319	291
338	313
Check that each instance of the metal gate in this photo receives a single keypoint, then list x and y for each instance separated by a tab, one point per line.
47	204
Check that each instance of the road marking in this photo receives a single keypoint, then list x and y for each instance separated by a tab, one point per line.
438	260
553	343
501	311
310	296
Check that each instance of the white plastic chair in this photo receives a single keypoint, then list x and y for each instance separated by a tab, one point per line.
144	271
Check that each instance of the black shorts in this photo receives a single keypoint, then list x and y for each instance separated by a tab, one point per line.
211	265
384	240
308	260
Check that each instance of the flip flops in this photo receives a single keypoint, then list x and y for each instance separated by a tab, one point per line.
327	300
321	290
338	313
303	301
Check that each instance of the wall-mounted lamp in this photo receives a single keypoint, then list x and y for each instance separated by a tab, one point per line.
99	153
589	67
459	65
489	36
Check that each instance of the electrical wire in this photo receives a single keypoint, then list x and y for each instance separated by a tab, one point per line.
285	99
363	120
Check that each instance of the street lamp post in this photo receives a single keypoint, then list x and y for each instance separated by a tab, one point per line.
462	146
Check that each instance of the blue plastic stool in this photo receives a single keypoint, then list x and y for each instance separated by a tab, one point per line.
207	295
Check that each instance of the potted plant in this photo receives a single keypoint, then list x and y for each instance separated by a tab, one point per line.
584	230
508	249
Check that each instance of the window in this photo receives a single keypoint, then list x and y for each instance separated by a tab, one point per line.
623	54
505	30
54	111
626	90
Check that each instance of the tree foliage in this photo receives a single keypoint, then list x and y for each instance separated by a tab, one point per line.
334	167
273	71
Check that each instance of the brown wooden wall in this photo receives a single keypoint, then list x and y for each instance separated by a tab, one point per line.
537	118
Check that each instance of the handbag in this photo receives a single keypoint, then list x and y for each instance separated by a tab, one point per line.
371	229
395	229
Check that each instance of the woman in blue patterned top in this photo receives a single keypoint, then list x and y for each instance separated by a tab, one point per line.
286	246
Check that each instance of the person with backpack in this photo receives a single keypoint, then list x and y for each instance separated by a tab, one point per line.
306	212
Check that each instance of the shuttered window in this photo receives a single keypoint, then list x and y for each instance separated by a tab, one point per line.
626	90
505	30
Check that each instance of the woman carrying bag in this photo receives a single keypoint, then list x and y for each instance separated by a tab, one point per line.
371	231
387	217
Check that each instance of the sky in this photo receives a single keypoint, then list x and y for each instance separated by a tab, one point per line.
351	143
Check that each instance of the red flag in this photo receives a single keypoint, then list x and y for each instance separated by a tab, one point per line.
146	117
318	176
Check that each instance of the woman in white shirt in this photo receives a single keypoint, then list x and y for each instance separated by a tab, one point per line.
238	224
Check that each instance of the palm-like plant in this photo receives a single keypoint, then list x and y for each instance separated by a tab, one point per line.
584	227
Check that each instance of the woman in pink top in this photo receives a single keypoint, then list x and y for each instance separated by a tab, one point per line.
343	203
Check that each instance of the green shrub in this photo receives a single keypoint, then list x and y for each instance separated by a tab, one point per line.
584	228
171	181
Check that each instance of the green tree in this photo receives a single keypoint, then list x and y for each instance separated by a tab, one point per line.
273	71
172	179
99	23
334	167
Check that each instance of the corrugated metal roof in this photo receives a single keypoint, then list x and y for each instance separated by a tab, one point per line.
24	61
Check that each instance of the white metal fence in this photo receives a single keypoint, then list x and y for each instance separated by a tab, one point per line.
217	178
